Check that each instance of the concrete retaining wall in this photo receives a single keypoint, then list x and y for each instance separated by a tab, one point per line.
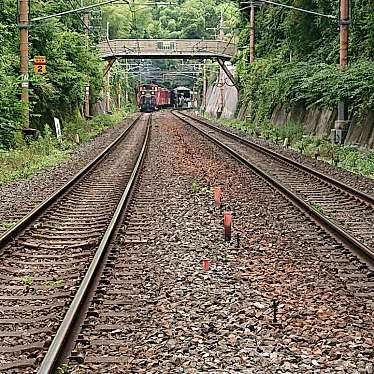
319	122
230	98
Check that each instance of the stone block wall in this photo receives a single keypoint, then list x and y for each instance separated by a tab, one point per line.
317	121
230	97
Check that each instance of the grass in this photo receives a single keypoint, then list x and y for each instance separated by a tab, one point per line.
25	160
7	225
54	282
194	186
27	281
317	207
207	190
63	369
28	157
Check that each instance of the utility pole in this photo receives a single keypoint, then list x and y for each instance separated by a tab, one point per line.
344	22
341	124
221	83
107	30
117	83
23	25
126	83
86	22
204	85
107	87
252	34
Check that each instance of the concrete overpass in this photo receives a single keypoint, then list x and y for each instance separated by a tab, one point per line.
167	48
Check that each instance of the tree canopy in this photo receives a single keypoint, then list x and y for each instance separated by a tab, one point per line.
181	19
297	57
71	64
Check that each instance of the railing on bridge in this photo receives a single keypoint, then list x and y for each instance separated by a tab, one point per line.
167	48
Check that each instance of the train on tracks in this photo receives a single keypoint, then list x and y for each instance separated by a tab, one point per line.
151	97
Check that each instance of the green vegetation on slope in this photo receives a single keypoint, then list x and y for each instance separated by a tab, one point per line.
70	67
297	55
270	81
46	150
188	19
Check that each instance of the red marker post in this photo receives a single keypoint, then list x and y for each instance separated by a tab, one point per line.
206	265
227	222
217	196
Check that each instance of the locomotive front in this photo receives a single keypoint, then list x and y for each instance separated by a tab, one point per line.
146	97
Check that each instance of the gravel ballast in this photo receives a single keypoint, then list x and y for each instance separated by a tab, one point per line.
279	300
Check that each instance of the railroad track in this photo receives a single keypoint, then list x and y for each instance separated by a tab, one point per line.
154	309
145	282
346	213
47	254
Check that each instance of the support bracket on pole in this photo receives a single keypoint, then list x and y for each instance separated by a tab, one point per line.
344	21
109	66
22	27
228	73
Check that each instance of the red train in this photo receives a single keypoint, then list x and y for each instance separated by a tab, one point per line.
151	97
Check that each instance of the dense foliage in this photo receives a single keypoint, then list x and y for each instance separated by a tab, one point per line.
270	81
71	65
9	102
297	56
177	20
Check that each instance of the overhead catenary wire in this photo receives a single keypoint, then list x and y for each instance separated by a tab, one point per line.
74	10
250	3
80	19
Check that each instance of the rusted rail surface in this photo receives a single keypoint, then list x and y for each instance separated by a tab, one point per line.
346	213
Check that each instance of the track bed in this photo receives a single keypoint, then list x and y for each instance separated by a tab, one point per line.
283	297
42	266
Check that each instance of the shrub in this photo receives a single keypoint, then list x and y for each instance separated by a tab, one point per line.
7	133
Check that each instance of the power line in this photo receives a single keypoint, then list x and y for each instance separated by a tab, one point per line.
75	10
79	17
287	6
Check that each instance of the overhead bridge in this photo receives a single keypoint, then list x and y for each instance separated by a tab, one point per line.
167	48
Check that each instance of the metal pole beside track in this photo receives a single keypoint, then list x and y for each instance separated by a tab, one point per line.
252	34
86	21
23	25
341	124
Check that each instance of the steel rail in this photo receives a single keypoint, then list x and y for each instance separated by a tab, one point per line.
362	251
38	210
356	193
66	331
